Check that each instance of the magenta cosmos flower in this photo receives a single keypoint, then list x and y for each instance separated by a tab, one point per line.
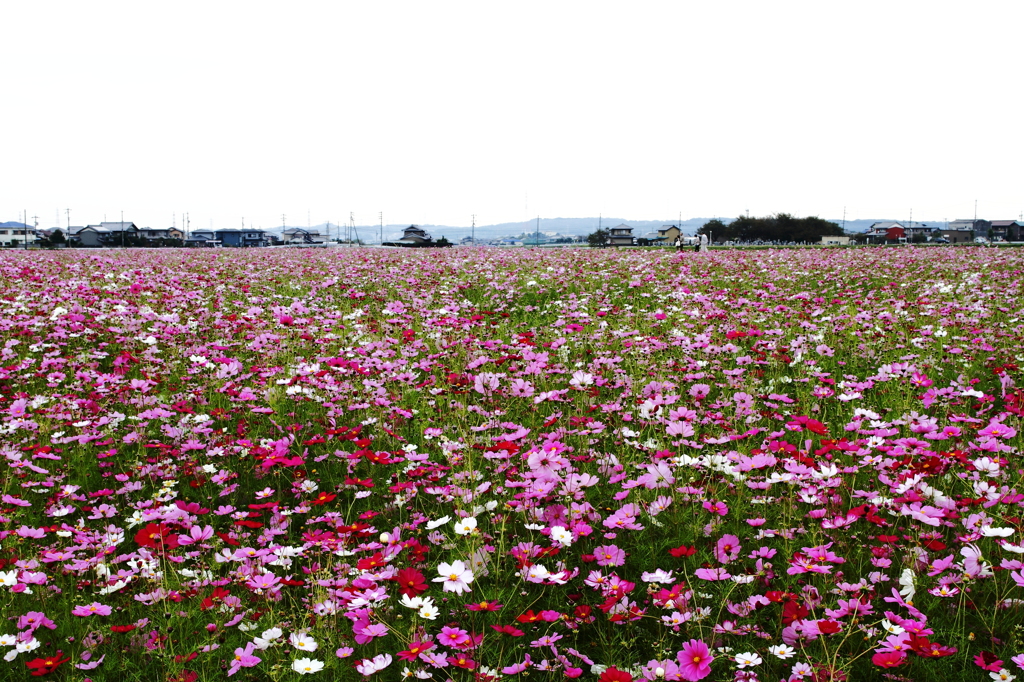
694	660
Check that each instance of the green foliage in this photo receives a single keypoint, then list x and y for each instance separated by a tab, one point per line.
598	237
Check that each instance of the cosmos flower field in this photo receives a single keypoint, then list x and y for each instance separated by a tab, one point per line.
475	464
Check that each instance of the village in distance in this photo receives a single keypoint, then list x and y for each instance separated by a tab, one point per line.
775	230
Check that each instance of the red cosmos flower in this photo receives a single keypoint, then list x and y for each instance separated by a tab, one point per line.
508	630
677	552
889	659
122	628
613	674
928	649
368	563
793	611
157	536
829	627
462	661
218	595
410	582
323	498
414	650
42	666
484	606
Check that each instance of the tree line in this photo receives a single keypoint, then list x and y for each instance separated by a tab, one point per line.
781	227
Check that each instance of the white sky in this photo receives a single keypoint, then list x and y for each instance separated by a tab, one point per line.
433	111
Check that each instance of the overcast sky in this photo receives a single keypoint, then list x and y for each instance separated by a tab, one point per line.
433	111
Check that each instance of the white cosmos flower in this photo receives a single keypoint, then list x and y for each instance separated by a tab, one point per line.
561	535
465	526
996	532
431	525
303	642
748	659
907	581
782	651
307	666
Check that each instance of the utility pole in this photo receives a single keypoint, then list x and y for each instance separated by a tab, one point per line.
473	233
381	216
536	239
24	221
122	229
68	212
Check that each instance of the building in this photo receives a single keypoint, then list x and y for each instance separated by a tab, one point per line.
668	234
207	238
15	234
242	238
978	227
1010	230
621	235
886	231
149	233
298	235
833	240
88	235
957	236
413	236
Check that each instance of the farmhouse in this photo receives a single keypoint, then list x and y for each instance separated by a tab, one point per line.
621	236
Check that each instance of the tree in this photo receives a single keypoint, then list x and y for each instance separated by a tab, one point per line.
716	228
598	238
443	242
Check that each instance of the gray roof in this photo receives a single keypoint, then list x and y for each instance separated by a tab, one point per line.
118	226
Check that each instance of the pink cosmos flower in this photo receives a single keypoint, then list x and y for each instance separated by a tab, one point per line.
517	668
93	609
712	574
727	549
452	637
244	658
609	555
694	660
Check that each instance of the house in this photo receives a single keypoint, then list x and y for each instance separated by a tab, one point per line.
88	235
886	231
649	239
15	234
1010	230
297	235
979	228
668	234
242	238
833	240
413	236
207	238
148	233
915	229
621	235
